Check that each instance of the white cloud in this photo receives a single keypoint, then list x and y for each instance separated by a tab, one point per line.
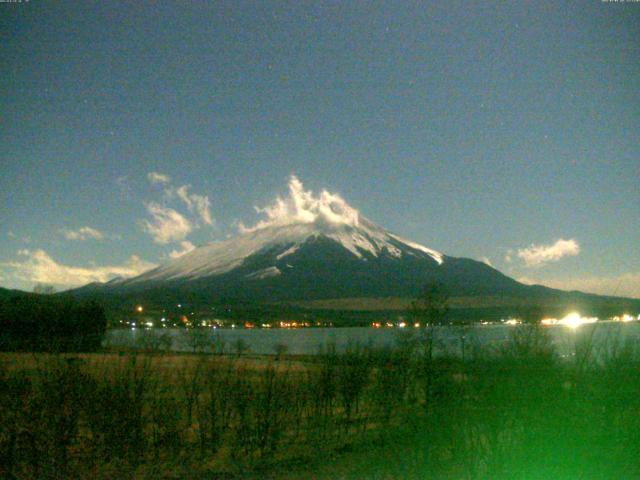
83	233
39	267
156	177
202	206
487	261
183	194
625	285
537	255
198	203
185	247
302	206
167	224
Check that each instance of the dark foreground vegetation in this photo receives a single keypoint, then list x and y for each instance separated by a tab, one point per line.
46	323
513	412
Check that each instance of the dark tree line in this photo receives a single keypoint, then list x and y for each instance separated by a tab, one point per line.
46	323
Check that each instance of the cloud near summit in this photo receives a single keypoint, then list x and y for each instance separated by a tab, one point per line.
185	247
167	225
198	204
301	206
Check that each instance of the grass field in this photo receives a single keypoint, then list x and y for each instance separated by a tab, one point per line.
516	411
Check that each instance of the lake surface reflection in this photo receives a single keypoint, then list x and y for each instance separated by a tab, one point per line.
307	341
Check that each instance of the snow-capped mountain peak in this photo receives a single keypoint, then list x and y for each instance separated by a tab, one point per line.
289	224
308	248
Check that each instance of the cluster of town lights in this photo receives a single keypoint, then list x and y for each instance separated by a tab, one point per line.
400	324
575	320
572	320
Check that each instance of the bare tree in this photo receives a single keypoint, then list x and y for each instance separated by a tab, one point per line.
431	308
432	305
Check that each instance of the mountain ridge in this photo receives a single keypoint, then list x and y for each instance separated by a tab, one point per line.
312	249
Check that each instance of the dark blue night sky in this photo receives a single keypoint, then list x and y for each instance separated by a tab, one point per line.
506	131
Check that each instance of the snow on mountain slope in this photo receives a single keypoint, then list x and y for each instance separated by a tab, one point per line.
289	223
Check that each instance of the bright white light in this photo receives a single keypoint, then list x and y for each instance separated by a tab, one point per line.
574	320
402	324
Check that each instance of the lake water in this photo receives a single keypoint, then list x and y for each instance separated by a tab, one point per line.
307	341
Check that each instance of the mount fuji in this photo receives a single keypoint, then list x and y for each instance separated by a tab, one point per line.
315	248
